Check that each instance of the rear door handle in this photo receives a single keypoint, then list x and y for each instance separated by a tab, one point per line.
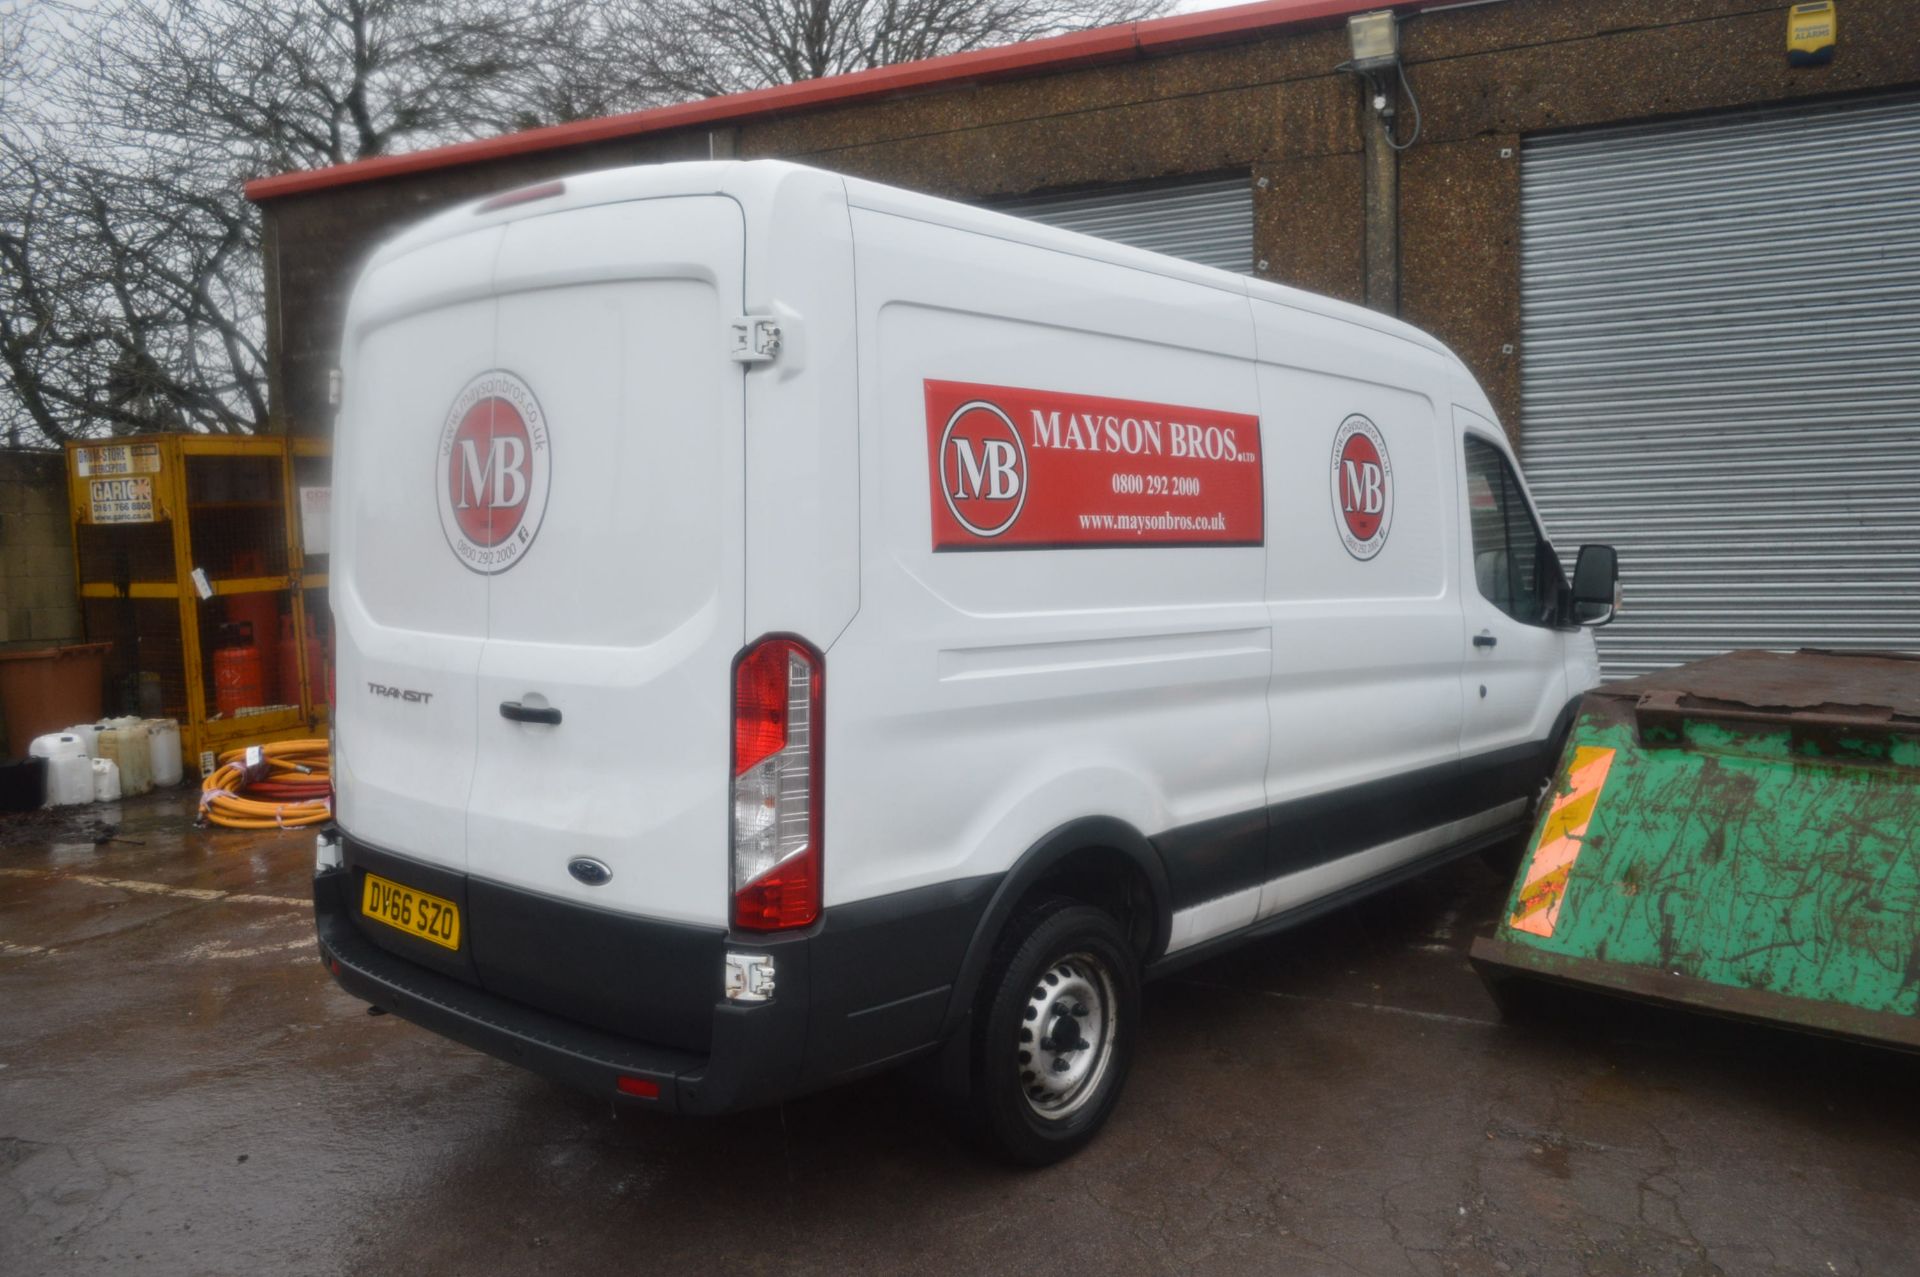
519	713
1479	640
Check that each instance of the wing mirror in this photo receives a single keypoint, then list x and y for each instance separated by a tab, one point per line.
1596	585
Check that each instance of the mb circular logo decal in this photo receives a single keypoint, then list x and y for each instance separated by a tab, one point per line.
983	468
1362	484
492	472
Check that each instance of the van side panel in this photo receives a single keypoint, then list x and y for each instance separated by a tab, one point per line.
1367	643
981	699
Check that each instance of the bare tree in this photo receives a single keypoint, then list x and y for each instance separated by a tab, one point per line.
130	291
13	48
130	295
699	48
117	303
281	84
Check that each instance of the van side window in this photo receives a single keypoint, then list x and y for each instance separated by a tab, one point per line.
1512	560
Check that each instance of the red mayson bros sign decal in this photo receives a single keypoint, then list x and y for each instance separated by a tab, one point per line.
1019	469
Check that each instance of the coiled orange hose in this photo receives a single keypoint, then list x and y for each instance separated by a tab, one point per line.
296	790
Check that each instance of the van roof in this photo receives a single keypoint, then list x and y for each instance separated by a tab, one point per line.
927	208
759	185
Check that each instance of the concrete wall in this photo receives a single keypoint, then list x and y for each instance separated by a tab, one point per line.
1273	106
37	599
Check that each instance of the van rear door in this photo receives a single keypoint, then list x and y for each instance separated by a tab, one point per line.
603	713
410	623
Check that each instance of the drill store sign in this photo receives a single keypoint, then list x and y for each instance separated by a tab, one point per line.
1014	469
492	470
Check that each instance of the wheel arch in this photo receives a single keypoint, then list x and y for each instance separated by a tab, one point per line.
1087	859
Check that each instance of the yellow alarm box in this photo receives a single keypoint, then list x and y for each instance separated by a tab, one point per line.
1811	31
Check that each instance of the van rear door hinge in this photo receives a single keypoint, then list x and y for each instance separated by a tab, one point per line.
754	339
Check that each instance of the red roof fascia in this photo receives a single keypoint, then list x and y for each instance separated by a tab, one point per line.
1056	53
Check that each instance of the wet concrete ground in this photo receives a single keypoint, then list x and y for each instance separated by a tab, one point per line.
183	1091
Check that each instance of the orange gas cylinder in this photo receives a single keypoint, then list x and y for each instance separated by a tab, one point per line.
238	680
261	612
290	663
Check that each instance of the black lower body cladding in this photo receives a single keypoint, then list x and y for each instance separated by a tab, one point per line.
604	970
588	997
1215	858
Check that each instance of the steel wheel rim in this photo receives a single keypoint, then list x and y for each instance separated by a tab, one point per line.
1066	1035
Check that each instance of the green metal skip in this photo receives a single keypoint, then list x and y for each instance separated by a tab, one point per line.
1740	835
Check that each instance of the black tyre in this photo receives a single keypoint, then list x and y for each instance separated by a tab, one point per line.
1053	1033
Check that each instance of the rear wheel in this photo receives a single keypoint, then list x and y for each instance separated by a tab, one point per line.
1054	1035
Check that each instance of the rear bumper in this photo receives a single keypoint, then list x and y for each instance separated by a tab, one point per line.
756	1051
867	986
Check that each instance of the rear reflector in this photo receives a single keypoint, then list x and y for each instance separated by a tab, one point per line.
525	195
639	1087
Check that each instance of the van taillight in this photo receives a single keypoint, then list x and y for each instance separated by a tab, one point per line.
777	702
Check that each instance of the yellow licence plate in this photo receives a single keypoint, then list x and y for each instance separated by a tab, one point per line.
414	912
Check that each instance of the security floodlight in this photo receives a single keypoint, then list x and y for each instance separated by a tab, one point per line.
1375	38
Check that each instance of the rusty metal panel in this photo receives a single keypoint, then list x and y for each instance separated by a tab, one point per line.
1740	835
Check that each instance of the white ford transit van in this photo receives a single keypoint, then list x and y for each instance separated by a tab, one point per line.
789	627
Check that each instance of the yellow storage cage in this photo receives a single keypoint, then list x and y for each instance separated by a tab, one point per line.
202	558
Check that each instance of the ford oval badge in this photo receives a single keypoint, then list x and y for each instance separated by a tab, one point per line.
589	871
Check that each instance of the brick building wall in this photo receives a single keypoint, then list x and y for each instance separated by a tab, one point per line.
1271	104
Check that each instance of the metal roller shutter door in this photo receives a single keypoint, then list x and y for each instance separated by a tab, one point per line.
1721	344
1209	221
